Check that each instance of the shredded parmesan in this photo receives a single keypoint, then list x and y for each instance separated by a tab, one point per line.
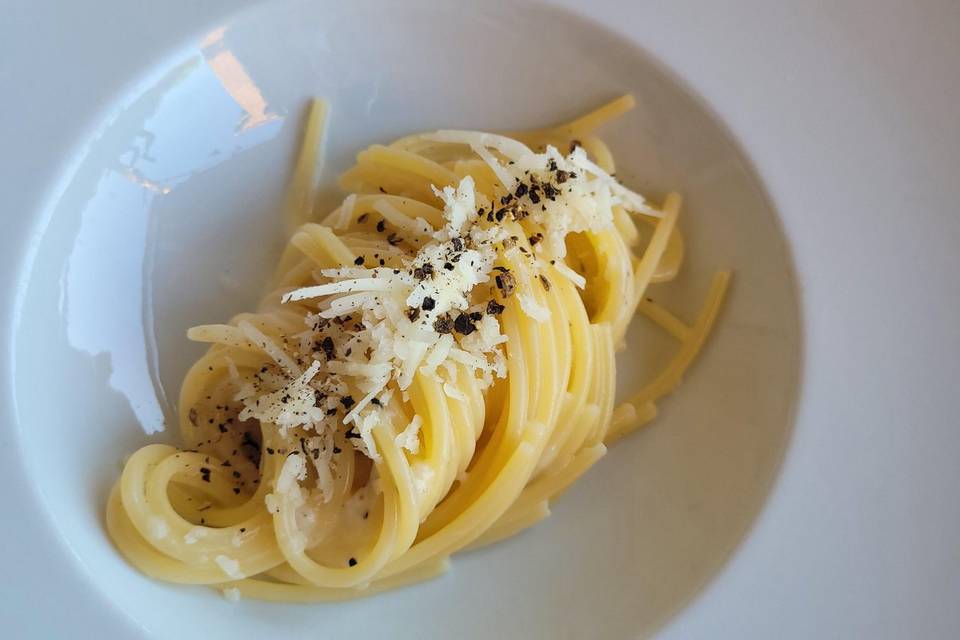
229	566
158	528
373	325
409	438
194	534
232	594
289	406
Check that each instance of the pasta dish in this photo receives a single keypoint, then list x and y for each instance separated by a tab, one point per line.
433	365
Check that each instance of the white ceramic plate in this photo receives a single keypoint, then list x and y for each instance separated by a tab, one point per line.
140	150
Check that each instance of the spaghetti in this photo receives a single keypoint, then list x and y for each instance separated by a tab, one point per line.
433	366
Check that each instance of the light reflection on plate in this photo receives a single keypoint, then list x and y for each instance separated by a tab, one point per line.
116	247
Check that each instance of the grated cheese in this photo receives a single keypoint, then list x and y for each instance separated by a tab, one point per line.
241	536
371	330
232	594
158	528
409	438
229	566
194	534
289	406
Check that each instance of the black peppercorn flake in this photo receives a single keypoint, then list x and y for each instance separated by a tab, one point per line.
494	308
464	325
328	349
443	324
506	283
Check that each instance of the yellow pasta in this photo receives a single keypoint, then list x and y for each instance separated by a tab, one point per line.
433	365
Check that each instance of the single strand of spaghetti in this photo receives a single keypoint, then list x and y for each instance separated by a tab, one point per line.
629	423
344	214
272	591
672	259
671	323
589	122
671	375
656	246
626	227
299	199
509	527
